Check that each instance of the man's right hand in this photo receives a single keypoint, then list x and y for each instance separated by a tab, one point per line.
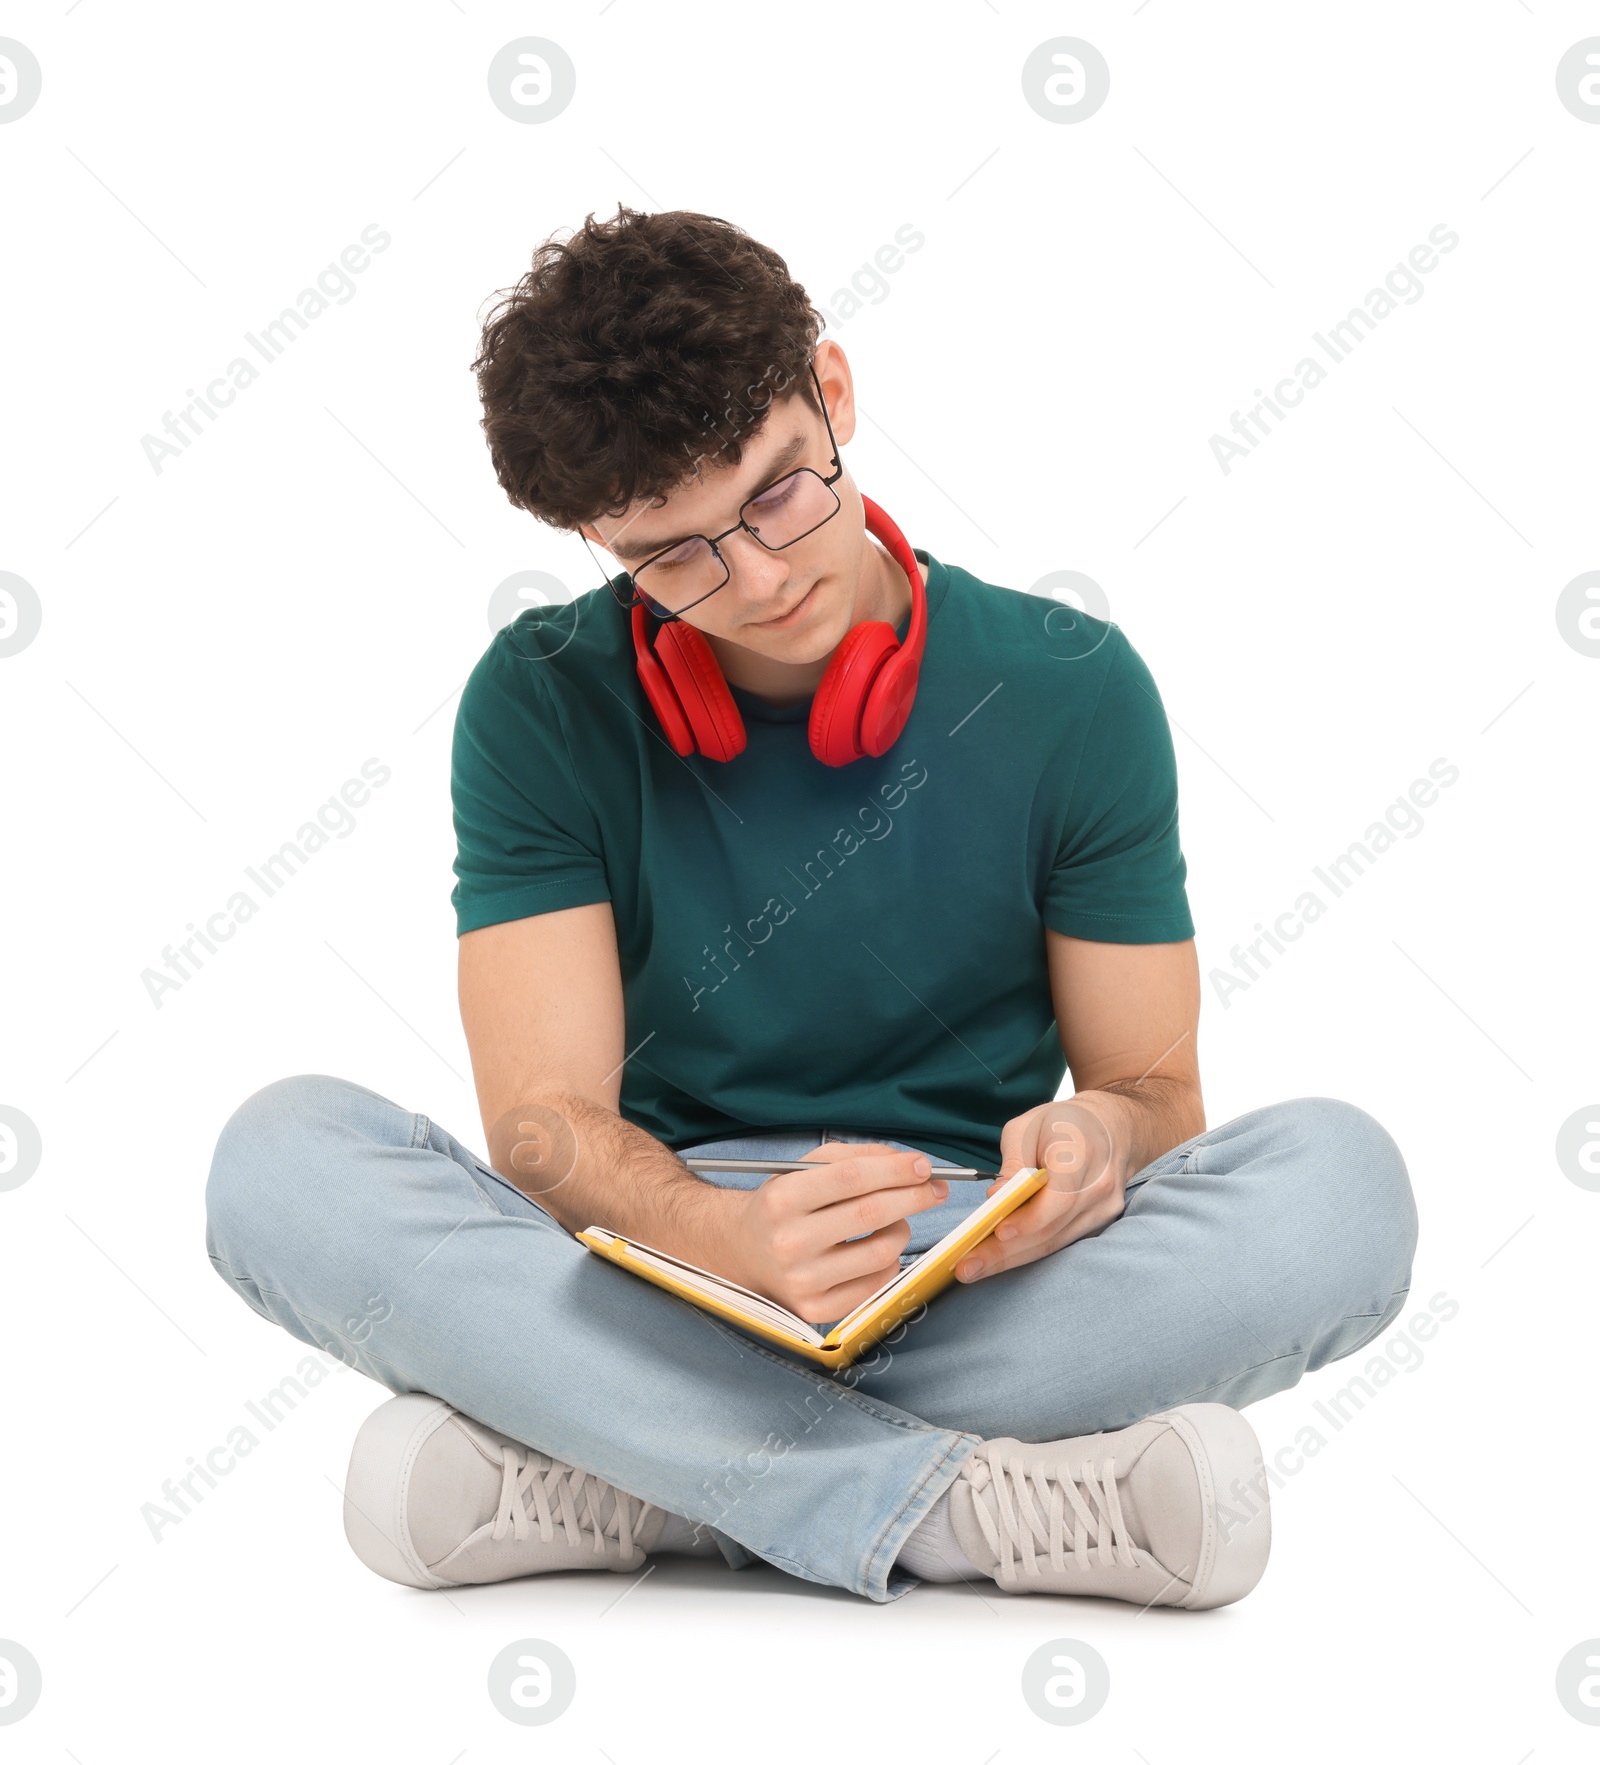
542	1006
820	1242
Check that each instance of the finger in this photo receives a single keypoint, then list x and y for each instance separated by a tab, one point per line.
1018	1144
1043	1212
876	1254
992	1256
838	1302
860	1214
978	1265
989	1257
855	1170
1034	1229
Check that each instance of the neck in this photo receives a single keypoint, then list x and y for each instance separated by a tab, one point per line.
884	593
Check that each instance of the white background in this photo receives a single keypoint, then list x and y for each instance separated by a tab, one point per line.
225	641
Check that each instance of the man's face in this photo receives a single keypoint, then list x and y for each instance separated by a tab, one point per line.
793	605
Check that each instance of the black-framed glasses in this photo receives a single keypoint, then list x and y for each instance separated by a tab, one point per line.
682	575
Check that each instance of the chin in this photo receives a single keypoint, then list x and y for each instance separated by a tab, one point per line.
813	644
803	655
823	631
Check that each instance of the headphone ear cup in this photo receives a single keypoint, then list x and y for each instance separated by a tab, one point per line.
701	691
843	694
659	690
888	706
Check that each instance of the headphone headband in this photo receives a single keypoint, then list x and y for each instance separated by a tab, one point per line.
894	542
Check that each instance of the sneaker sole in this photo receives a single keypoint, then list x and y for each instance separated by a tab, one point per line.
1225	1451
378	1484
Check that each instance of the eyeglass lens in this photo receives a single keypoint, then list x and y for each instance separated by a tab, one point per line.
781	514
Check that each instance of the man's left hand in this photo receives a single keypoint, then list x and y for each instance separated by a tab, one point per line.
1081	1142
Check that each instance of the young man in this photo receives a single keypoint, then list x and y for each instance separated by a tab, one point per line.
722	891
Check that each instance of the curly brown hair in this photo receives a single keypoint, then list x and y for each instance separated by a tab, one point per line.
631	352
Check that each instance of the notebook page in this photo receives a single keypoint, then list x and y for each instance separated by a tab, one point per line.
714	1287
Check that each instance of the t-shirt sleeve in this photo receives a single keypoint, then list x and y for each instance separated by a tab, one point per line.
526	839
1119	872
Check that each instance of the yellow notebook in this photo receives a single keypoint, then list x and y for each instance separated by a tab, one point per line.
868	1324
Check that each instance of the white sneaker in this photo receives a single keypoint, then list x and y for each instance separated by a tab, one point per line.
435	1499
1139	1514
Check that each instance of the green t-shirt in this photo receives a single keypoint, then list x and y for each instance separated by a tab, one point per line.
860	947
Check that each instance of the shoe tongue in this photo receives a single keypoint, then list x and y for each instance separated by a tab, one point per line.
969	1534
1161	1499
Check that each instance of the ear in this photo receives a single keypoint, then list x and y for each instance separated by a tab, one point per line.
838	389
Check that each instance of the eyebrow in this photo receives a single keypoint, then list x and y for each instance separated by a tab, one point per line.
631	551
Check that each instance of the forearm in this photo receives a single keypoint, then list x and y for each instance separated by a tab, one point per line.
587	1166
1145	1118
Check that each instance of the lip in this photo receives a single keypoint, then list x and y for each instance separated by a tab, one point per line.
792	617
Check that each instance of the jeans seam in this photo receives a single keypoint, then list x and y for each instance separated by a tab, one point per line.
1153	1170
792	1566
1298	1353
233	1274
288	1304
487	1196
1217	1384
1372	1334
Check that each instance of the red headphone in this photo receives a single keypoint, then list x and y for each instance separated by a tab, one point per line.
861	703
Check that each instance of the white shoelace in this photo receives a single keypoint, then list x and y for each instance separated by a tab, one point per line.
552	1489
1030	1512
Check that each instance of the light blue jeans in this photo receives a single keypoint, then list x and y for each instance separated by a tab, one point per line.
1272	1244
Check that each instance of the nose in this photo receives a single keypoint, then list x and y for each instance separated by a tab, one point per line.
760	574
